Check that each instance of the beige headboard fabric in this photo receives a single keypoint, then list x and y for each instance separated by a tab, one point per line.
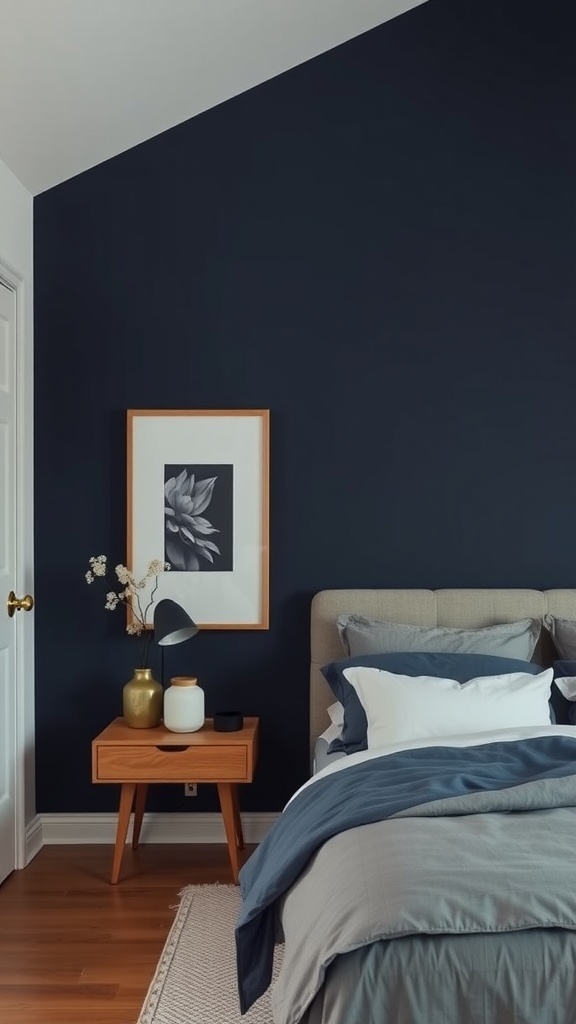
465	608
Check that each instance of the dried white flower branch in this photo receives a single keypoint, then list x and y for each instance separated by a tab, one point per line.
130	595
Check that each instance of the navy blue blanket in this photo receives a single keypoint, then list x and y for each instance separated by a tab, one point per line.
360	794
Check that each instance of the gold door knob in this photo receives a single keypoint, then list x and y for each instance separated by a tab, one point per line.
19	604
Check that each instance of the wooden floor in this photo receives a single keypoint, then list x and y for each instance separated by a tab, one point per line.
75	949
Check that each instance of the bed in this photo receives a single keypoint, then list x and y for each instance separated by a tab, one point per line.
424	881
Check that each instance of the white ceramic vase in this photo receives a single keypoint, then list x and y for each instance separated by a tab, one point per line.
184	705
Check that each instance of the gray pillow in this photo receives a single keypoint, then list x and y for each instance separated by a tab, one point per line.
563	633
360	635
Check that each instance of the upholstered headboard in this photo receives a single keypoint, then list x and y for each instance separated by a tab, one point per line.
465	608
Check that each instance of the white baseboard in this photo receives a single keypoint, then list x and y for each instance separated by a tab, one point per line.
76	829
33	840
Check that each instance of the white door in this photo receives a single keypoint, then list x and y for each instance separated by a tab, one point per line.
7	580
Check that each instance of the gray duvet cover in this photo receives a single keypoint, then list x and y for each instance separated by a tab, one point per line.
457	910
472	908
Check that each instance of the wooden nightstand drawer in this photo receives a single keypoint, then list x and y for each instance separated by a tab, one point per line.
172	764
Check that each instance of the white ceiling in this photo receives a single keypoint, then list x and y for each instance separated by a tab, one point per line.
83	80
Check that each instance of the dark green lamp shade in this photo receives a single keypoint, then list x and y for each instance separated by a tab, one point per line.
172	625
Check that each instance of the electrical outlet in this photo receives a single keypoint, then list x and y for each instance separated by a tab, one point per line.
190	789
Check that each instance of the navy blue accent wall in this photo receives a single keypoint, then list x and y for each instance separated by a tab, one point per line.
379	246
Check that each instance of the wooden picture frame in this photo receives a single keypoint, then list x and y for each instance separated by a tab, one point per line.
198	498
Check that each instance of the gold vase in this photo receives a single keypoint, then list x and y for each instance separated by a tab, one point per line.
142	700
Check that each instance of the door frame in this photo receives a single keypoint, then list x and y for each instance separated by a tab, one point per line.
24	781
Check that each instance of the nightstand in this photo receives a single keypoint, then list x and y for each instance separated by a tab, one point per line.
137	758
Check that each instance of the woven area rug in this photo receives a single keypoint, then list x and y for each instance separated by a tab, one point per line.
195	981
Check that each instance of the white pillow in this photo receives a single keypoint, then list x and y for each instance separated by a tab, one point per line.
331	733
336	713
400	708
567	686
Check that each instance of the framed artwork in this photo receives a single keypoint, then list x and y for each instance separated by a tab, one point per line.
198	498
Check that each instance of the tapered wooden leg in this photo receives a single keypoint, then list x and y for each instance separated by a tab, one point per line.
237	818
139	805
126	802
225	792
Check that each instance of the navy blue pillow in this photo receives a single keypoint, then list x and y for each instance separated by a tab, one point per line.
565	709
411	663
